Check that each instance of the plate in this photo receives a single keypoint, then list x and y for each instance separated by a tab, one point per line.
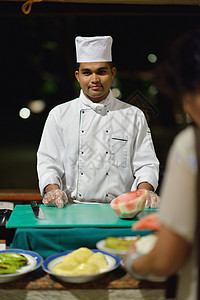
121	253
51	261
143	246
151	278
34	262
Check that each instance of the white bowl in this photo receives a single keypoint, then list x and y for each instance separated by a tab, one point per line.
51	261
121	253
34	262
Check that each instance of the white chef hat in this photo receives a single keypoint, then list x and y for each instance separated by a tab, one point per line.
93	49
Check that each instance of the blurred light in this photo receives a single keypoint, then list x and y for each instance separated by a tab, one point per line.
36	106
152	58
24	113
116	93
153	90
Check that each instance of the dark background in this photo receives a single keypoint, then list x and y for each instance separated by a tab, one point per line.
37	61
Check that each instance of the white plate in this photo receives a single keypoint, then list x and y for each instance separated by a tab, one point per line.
144	245
34	262
121	253
151	278
51	261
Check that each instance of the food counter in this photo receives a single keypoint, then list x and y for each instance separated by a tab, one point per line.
68	228
115	285
69	233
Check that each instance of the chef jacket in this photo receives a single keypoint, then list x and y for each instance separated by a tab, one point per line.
96	151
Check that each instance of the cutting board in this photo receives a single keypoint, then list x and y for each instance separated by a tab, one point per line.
74	215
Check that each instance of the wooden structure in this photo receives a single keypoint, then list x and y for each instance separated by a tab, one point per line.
27	4
20	196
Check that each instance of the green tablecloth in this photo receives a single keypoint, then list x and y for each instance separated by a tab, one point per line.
49	241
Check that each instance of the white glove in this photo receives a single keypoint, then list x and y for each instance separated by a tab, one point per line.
153	200
56	198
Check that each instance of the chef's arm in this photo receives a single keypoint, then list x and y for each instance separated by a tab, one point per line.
146	186
145	162
50	187
166	258
49	156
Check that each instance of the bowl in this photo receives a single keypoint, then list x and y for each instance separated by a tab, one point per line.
34	262
121	253
51	261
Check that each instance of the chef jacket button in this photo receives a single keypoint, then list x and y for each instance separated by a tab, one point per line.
82	131
83	112
82	152
106	152
106	173
81	173
106	131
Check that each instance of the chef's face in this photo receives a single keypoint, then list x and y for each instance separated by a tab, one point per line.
95	79
191	104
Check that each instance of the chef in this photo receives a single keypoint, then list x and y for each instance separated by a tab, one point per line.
95	147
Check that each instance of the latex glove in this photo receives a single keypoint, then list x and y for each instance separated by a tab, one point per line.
153	201
56	198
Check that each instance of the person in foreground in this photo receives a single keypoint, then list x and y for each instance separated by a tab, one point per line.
95	147
176	250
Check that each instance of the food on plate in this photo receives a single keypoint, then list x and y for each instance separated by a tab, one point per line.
98	259
80	255
82	261
78	270
148	222
119	243
130	204
146	243
11	261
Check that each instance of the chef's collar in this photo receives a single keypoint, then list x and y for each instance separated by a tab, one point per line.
100	107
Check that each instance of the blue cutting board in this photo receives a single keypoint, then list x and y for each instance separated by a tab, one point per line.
74	215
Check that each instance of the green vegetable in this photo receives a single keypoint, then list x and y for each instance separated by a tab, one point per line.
11	261
118	243
6	268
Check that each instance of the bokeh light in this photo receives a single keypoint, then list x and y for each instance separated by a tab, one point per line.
36	106
24	113
152	58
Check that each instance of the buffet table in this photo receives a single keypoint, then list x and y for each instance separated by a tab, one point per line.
68	229
115	285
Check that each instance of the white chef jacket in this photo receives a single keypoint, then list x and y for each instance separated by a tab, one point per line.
96	151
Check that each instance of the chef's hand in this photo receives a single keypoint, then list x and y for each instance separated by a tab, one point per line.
56	198
153	200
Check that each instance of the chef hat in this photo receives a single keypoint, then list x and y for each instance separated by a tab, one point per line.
93	49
